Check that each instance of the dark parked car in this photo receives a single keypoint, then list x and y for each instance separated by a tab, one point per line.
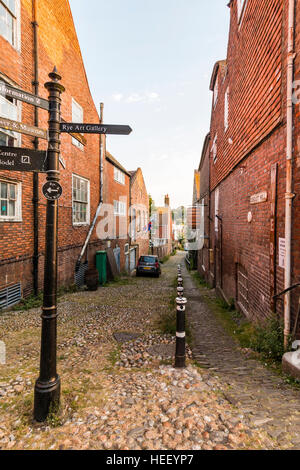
148	265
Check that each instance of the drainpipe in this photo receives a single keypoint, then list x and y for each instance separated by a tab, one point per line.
102	147
35	83
289	180
130	216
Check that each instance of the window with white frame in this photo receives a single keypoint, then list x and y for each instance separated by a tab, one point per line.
81	200
214	149
240	8
10	201
119	208
10	109
119	175
9	13
216	91
77	117
226	109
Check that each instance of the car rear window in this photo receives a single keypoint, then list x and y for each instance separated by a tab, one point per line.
148	259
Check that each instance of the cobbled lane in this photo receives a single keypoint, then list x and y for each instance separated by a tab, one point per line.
119	389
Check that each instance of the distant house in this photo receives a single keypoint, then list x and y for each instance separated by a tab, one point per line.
139	213
162	230
116	195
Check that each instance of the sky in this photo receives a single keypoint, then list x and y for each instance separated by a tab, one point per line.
150	62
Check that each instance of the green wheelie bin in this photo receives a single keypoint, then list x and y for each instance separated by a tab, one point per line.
101	258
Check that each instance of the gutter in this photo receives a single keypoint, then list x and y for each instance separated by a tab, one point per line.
289	196
102	145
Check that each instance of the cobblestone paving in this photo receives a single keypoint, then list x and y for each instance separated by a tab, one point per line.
260	395
120	394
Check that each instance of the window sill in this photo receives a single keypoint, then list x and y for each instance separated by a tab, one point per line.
81	224
10	220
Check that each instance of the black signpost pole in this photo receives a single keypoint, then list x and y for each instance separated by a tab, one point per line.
47	387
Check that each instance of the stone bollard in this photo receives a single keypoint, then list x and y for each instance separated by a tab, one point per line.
180	331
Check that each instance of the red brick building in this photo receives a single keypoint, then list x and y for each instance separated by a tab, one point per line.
35	36
202	200
116	198
249	168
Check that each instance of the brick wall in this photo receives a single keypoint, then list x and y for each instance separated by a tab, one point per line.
203	262
118	192
58	45
253	76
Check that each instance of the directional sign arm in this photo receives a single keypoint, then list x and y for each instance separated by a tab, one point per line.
70	128
20	159
24	96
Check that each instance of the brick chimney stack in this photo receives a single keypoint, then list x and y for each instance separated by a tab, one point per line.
167	201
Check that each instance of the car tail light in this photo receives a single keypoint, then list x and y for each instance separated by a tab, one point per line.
157	264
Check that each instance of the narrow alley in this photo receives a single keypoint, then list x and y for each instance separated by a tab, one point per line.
119	389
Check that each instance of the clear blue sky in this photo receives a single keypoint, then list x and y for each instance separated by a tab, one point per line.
150	62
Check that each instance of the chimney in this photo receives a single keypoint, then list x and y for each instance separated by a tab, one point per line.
167	201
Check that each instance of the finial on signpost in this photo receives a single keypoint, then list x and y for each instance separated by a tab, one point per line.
54	75
54	85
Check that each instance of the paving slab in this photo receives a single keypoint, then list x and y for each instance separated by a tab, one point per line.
272	400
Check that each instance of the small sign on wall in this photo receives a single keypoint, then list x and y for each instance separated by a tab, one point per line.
259	198
282	252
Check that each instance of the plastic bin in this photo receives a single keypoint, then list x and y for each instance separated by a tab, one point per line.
101	260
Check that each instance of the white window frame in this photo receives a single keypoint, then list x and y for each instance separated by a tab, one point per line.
216	91
18	206
226	109
17	105
87	222
16	33
214	149
119	176
241	5
77	120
